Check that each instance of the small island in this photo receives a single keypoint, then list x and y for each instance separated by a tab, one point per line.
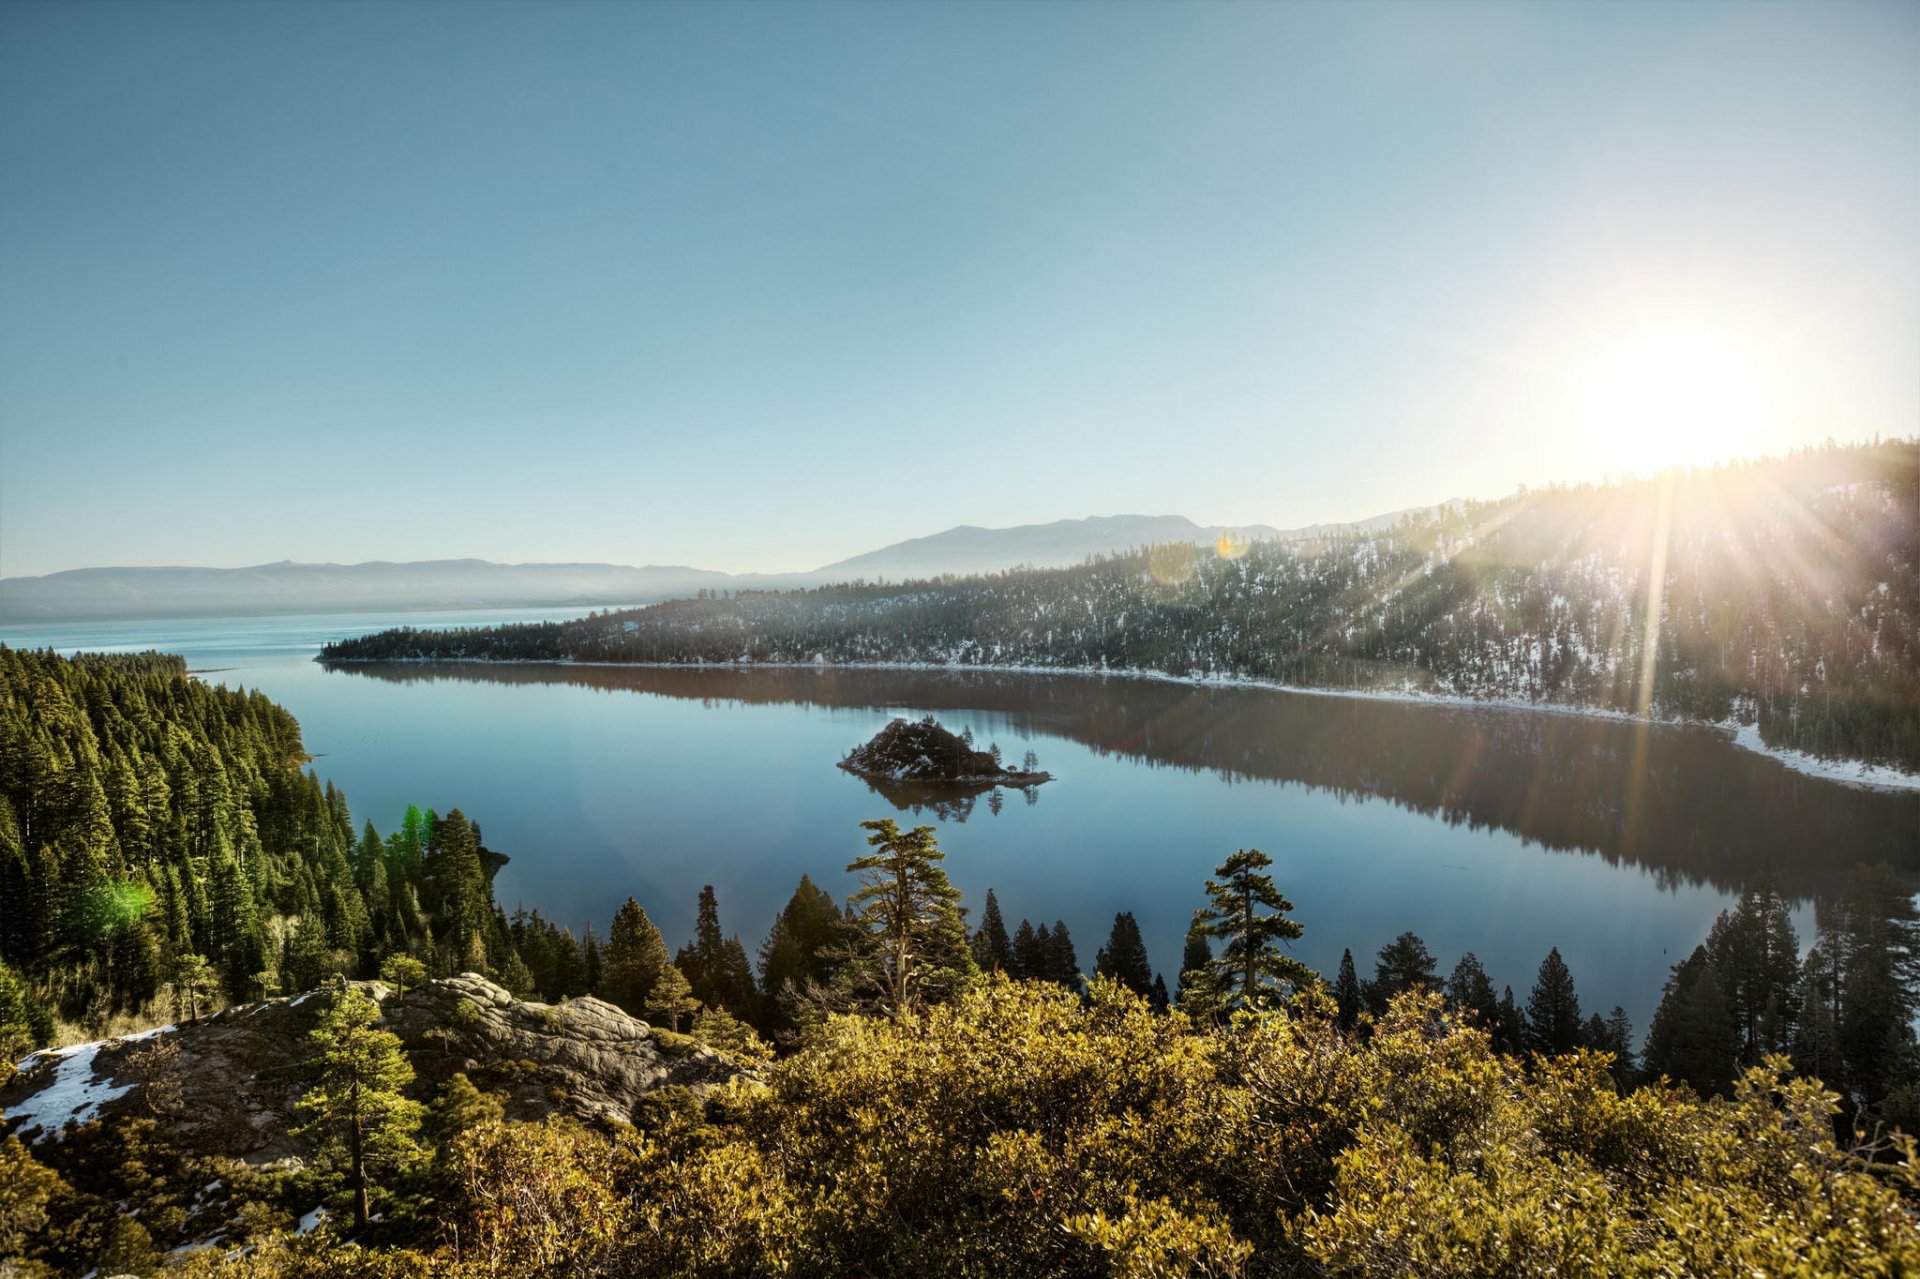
905	751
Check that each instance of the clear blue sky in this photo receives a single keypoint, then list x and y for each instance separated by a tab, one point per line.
761	286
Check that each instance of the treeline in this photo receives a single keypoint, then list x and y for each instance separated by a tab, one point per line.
161	839
1785	592
1843	1015
936	1116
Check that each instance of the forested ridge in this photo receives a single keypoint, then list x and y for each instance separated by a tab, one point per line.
163	834
1785	592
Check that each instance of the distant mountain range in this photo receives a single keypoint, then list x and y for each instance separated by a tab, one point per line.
105	594
967	549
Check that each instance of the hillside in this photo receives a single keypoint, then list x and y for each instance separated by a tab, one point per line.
1783	593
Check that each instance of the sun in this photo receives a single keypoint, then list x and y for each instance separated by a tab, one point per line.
1680	391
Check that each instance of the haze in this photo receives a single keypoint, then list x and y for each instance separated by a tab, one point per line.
757	288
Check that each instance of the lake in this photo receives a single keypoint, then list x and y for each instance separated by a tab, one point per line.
1501	831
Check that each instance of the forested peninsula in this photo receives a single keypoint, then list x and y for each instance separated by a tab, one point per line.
1784	593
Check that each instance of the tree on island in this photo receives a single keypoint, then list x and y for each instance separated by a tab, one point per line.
358	1114
1254	921
915	948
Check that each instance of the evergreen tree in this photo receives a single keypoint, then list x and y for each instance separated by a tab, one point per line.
1196	953
636	956
803	951
1124	957
1063	963
992	949
356	1111
1252	970
1756	955
1512	1027
716	966
671	999
1158	997
25	1022
1553	1010
1347	996
915	941
1403	965
1032	948
1470	994
1693	1039
1613	1034
592	970
194	982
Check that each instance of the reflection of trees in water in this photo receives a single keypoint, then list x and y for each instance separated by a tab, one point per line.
1682	803
948	801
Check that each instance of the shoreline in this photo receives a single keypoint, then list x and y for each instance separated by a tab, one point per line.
1854	773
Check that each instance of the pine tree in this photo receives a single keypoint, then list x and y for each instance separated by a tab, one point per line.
696	957
1196	955
717	966
1553	1010
1124	957
1470	994
592	970
803	951
356	1110
194	981
636	956
992	949
1031	948
1403	965
1063	963
1158	996
671	999
915	948
1693	1039
1252	969
1347	995
1756	955
1512	1027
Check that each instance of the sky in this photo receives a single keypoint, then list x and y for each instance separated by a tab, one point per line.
757	287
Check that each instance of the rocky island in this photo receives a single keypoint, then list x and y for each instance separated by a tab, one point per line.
923	752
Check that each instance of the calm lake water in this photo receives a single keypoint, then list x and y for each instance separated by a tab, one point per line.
1499	831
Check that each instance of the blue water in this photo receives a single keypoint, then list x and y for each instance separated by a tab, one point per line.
601	785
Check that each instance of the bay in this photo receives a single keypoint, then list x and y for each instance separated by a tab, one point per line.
1501	831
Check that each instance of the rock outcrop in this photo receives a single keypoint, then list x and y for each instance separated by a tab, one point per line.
231	1080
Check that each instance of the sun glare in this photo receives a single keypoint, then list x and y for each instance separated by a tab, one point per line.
1678	393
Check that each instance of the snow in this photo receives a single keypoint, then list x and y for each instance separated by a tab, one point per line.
147	1034
1846	771
73	1096
310	1222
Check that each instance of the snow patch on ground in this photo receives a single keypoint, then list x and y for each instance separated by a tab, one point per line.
310	1222
1848	771
73	1097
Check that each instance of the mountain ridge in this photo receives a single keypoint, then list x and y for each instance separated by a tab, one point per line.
135	592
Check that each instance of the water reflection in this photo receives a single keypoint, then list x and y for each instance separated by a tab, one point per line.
1680	803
